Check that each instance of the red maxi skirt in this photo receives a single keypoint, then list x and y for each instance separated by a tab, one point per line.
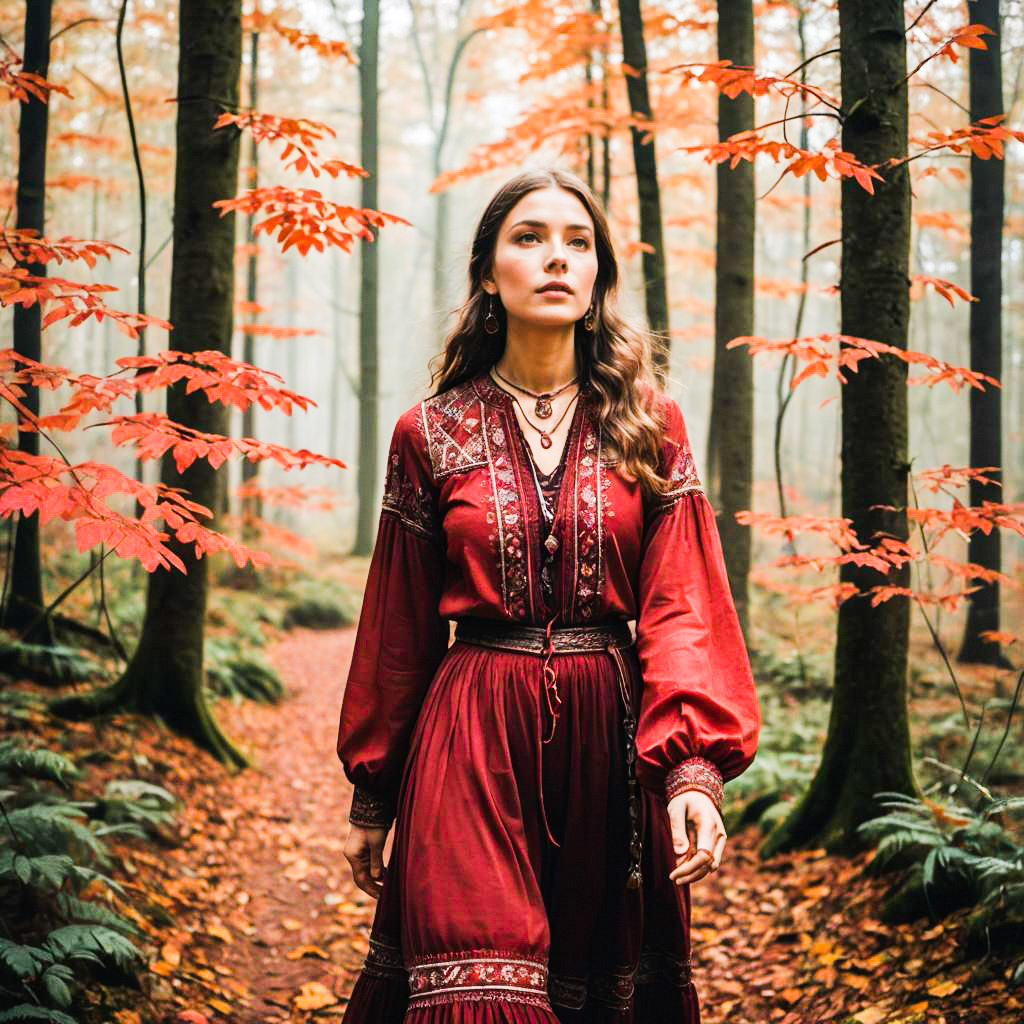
505	897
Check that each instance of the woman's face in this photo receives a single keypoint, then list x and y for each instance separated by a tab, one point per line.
546	238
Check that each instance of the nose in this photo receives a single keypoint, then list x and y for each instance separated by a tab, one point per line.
555	260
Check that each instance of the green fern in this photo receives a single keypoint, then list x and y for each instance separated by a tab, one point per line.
76	911
92	943
28	1012
25	962
16	760
46	872
54	828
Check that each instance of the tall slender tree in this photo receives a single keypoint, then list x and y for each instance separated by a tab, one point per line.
252	506
986	330
165	675
645	161
25	595
867	749
730	465
366	519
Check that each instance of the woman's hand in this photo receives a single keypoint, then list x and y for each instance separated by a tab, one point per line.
698	836
364	851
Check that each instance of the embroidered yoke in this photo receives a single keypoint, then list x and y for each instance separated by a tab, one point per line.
505	897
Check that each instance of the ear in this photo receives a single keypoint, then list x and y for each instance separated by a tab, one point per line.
489	286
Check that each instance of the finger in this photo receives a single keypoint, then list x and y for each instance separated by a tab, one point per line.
699	871
377	863
700	861
719	850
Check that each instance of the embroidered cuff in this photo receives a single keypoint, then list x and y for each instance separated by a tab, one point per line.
369	811
696	773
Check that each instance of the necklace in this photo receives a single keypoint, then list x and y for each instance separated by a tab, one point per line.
545	436
542	410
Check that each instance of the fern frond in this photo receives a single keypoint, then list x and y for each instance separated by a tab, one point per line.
17	760
92	942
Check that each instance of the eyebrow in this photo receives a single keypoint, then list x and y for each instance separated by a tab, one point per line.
541	224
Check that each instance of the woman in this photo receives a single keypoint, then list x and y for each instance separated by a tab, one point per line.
556	784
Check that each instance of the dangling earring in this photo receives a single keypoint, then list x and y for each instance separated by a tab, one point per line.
491	325
588	319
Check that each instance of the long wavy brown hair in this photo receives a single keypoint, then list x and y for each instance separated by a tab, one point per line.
614	360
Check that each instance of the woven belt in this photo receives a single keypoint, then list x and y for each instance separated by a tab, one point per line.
546	642
512	636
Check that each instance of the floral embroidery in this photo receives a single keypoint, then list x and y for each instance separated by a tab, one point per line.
615	988
590	507
660	966
567	991
410	502
369	811
453	427
682	474
506	515
478	975
695	773
384	959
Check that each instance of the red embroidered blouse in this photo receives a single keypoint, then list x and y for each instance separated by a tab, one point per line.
459	536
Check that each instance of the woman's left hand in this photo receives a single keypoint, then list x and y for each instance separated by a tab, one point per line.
698	836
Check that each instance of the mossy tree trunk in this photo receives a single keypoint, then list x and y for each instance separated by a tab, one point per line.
165	676
645	162
730	463
986	330
867	749
366	472
22	610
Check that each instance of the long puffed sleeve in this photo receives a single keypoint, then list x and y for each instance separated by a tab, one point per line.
401	636
699	715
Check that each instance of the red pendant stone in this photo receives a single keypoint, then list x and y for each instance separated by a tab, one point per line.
545	440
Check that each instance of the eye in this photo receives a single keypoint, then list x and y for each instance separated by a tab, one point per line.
586	243
527	234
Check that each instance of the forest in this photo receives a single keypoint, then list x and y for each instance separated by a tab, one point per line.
234	235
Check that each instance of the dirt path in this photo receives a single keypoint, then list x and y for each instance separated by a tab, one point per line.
269	927
277	930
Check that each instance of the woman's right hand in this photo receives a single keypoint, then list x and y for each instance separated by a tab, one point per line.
364	851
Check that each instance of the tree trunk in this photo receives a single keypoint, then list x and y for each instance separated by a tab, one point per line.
165	675
634	53
986	327
867	749
731	429
25	598
252	508
366	524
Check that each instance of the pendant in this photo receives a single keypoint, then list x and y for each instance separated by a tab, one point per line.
543	408
545	440
551	543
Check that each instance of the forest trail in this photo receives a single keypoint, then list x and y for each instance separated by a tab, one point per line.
271	927
282	927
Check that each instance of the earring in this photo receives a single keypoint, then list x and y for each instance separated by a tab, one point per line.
588	319
491	325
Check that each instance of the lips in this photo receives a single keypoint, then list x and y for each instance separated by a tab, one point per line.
556	287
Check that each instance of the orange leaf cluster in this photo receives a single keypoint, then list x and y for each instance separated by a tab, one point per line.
154	436
831	161
79	494
69	299
300	136
304	218
24	245
732	80
820	350
220	377
320	498
947	476
260	21
945	288
984	139
23	85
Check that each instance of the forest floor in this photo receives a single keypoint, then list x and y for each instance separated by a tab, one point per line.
251	916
